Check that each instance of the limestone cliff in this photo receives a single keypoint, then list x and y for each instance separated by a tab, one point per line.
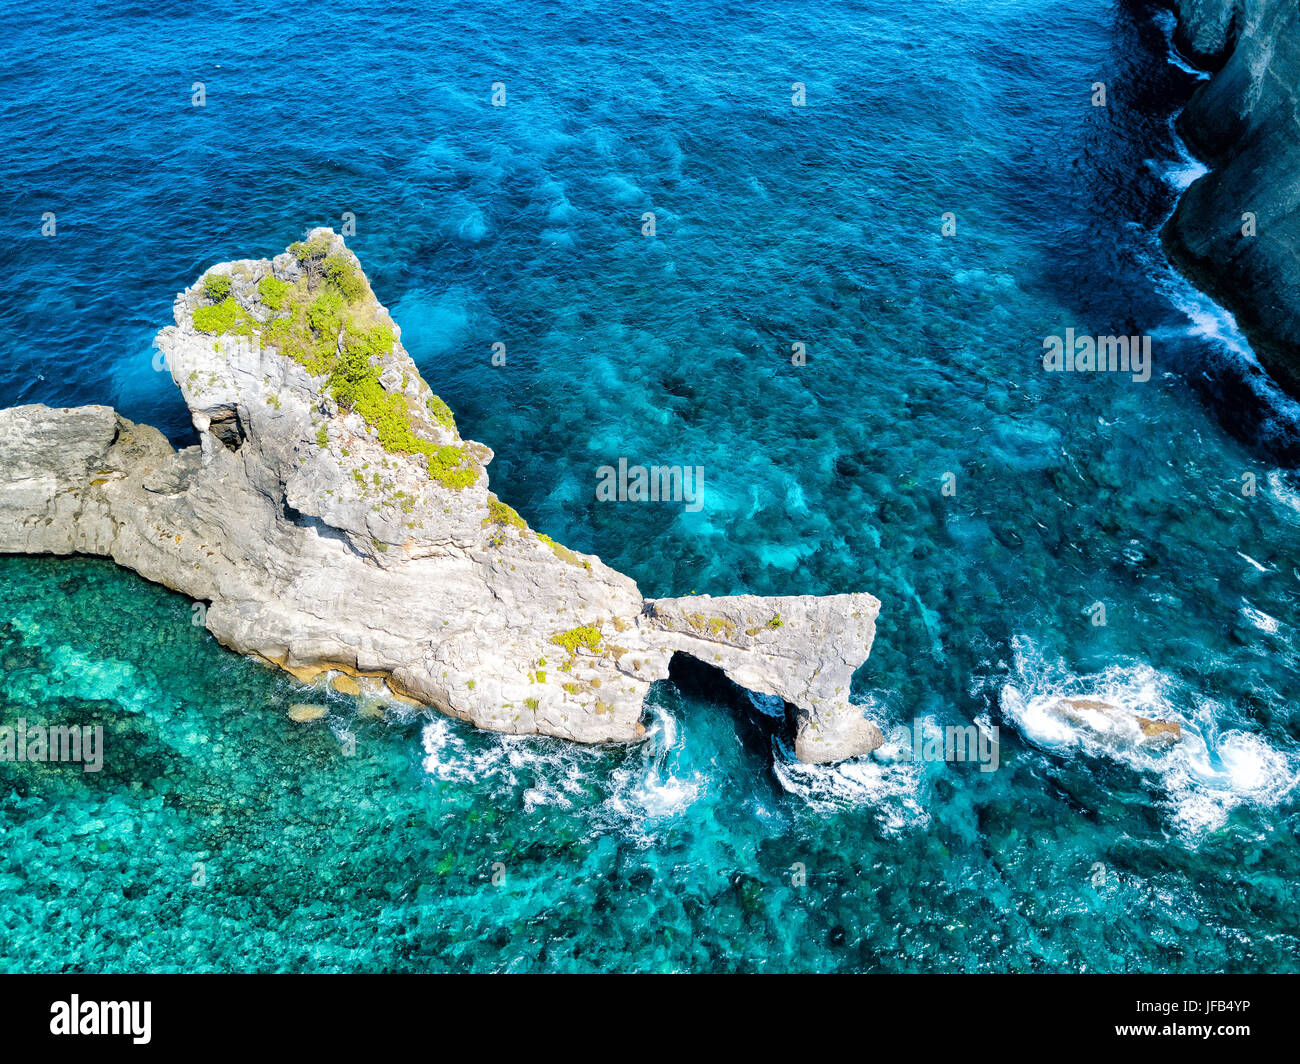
334	520
1245	124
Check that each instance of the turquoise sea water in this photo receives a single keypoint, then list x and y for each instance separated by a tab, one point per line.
219	836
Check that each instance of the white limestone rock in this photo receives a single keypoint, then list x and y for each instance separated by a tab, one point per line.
319	549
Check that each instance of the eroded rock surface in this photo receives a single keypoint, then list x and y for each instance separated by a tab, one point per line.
334	520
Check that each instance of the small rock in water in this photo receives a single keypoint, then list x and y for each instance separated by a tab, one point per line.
345	684
1160	729
1077	710
303	713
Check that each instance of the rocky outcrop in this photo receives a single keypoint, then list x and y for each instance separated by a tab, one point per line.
333	520
1115	724
752	640
1236	230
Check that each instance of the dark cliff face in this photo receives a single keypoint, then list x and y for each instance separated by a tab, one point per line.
1206	30
1236	231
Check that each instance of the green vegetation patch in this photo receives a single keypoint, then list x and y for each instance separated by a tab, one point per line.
587	636
712	625
441	412
325	325
500	513
503	516
563	553
216	287
226	318
307	250
274	292
345	277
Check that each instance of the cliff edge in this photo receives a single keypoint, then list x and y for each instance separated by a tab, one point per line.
1236	230
335	521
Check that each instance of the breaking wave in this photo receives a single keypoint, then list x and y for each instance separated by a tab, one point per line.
1206	773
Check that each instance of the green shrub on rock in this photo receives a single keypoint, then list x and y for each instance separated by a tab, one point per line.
274	292
331	331
216	287
340	272
224	318
440	412
355	385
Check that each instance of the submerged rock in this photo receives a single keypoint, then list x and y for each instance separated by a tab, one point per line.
334	520
303	713
1114	722
1160	729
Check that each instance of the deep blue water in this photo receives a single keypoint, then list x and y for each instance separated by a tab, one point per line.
776	225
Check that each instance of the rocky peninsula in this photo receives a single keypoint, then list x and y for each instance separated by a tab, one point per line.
334	522
1236	230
